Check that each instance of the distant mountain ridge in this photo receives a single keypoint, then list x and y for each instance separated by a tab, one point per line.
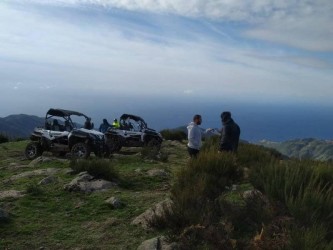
309	148
19	126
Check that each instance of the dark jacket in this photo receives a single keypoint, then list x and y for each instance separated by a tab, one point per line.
229	136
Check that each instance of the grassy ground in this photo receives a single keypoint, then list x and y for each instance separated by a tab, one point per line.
56	219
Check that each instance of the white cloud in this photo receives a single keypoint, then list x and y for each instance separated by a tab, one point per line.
86	55
304	24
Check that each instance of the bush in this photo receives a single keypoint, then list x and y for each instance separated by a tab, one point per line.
34	189
174	135
309	238
304	187
153	153
99	168
3	138
198	185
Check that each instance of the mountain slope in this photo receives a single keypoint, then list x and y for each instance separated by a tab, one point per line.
16	126
303	148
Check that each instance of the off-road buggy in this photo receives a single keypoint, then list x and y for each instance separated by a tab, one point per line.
62	134
132	132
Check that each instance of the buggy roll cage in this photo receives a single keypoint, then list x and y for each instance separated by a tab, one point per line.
138	119
66	114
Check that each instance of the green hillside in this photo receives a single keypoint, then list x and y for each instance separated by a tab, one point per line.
252	200
19	126
303	148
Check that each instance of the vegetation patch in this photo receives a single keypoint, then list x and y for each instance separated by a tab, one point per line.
99	168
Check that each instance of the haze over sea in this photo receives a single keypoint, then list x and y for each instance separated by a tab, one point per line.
258	121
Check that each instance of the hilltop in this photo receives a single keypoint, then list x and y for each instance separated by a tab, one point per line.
19	126
251	200
309	148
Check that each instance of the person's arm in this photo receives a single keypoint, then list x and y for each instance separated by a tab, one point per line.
194	137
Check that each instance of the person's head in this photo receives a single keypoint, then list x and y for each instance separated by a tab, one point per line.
115	120
105	121
225	116
197	119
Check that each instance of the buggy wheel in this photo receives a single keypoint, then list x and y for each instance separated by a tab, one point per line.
114	145
80	151
33	150
153	143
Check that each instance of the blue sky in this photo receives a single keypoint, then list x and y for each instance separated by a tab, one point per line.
84	53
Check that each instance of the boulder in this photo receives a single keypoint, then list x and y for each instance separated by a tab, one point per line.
39	160
48	180
86	183
158	243
158	211
29	174
255	196
114	202
11	194
157	172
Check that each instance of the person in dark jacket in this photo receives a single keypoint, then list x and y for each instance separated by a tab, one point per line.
230	133
104	126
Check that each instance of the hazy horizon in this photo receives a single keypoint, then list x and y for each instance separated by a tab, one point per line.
257	121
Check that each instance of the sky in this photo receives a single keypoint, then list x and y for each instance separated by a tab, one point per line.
132	55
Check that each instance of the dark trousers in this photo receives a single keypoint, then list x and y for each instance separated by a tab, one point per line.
192	152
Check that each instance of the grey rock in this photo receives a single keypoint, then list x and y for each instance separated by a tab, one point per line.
250	194
150	214
86	183
11	194
114	202
39	160
4	216
69	171
157	172
255	196
37	172
158	243
151	244
48	180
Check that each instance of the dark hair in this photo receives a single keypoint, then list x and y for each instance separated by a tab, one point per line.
225	115
195	117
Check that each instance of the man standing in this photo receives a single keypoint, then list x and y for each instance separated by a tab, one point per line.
230	133
194	136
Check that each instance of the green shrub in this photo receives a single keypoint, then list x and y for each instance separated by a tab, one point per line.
304	187
99	168
211	144
174	135
3	138
34	189
153	153
197	185
309	238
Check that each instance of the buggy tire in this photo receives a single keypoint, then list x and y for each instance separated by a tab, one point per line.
114	145
33	150
80	151
154	143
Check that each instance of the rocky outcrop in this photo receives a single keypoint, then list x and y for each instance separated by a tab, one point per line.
48	180
158	211
86	183
11	194
115	202
39	160
157	172
37	172
158	243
